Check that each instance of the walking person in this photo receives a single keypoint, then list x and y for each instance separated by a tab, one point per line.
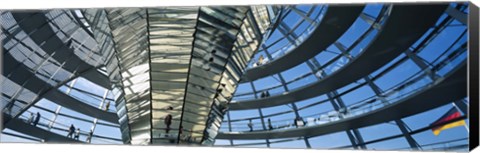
168	120
30	119
89	137
250	125
37	119
260	60
71	130
262	95
270	127
77	134
299	122
107	106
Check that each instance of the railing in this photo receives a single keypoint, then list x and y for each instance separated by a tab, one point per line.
448	145
56	75
286	48
407	87
441	146
329	67
283	48
44	123
82	99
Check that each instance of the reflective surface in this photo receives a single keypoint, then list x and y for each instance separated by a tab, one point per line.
176	75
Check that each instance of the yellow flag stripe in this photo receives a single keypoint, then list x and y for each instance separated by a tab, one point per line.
447	126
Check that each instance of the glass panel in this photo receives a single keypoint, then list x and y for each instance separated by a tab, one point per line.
221	142
357	95
332	140
296	71
378	131
389	144
289	144
396	75
441	42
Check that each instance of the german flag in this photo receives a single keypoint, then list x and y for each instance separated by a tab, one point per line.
452	114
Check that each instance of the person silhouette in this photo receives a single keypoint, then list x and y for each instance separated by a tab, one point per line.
37	119
107	106
30	119
89	137
250	125
77	134
71	130
168	120
270	127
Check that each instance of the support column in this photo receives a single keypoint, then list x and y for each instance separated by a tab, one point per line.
457	14
254	90
378	93
100	106
57	111
337	103
304	15
284	83
401	125
460	104
295	109
307	143
259	110
352	139
263	124
229	127
422	64
261	119
54	118
359	138
370	20
269	56
297	115
285	30
260	113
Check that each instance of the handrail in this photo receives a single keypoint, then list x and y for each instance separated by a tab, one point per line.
416	77
355	70
369	30
376	140
439	94
339	20
44	122
287	47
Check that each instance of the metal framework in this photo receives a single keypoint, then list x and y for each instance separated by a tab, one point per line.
235	125
172	72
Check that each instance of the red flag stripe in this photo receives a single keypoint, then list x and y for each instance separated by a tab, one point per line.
448	118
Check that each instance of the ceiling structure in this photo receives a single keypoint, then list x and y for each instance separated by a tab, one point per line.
171	73
169	63
181	63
